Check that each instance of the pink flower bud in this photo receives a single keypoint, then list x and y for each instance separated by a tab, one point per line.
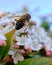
43	46
16	45
29	50
22	52
26	47
47	49
51	51
2	43
48	54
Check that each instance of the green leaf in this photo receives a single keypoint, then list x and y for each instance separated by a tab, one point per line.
5	49
36	61
35	55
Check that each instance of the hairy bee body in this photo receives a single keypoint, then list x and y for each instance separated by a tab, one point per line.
22	20
19	25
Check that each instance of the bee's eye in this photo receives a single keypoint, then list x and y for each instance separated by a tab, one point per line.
19	25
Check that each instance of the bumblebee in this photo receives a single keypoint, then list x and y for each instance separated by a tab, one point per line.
22	20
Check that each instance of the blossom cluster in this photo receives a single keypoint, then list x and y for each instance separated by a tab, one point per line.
27	39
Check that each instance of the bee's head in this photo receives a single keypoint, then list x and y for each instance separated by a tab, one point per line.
22	20
26	17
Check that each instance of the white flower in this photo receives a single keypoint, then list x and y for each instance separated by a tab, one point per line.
35	45
2	37
17	57
11	52
33	31
15	60
28	41
19	43
36	48
21	40
7	29
48	42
